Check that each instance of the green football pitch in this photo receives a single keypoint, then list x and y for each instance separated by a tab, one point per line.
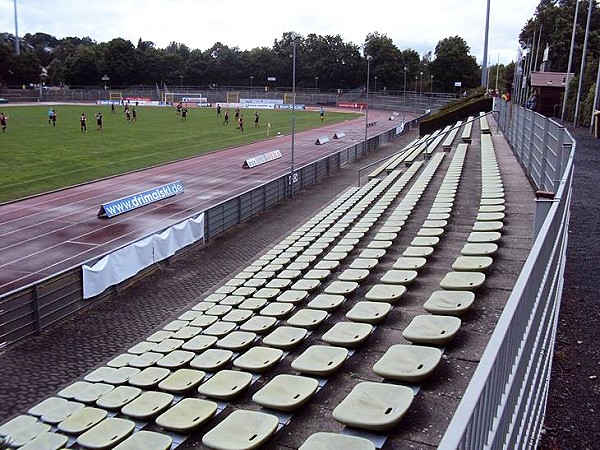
37	157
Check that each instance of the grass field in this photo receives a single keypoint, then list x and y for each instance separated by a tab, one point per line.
36	157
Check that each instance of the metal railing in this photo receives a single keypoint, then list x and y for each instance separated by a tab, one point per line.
504	404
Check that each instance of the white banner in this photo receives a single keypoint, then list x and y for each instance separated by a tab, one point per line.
124	263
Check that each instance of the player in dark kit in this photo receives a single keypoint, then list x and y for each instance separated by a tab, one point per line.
99	121
226	119
83	123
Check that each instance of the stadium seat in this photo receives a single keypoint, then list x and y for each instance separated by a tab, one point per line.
148	405
237	315
449	303
258	359
242	430
292	296
199	343
286	392
484	236
354	275
93	392
107	433
82	420
418	252
277	309
320	360
285	337
333	441
305	284
341	288
389	293
186	333
488	226
258	324
253	304
186	415
471	249
146	440
219	329
326	302
46	441
307	318
149	377
408	363
374	406
472	263
369	312
118	397
167	345
348	334
237	341
409	263
225	384
98	375
403	277
462	281
121	360
431	329
175	359
182	381
212	359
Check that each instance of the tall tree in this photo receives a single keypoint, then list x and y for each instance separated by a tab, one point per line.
453	63
388	61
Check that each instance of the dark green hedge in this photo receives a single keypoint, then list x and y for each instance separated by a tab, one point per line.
454	112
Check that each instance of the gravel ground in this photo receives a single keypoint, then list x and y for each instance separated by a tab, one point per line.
574	397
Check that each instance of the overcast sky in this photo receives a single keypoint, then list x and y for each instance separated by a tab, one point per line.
419	25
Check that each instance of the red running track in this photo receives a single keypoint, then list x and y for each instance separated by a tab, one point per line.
50	233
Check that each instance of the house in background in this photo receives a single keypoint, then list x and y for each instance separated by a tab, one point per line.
550	87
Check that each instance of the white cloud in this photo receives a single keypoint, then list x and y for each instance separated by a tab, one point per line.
248	24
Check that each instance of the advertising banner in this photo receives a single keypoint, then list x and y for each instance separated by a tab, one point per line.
126	204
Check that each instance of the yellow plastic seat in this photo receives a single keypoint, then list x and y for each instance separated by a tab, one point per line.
334	441
258	359
146	440
241	430
225	384
286	392
320	360
212	359
432	329
107	433
374	406
187	415
449	303
389	293
408	363
348	334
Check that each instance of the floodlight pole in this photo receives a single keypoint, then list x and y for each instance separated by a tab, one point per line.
293	36
583	56
369	58
484	68
405	69
568	81
17	44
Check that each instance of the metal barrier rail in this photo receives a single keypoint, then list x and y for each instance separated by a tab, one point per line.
32	308
504	404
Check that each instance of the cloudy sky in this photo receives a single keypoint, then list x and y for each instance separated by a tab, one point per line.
257	23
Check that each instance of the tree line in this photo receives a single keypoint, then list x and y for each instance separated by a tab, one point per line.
323	62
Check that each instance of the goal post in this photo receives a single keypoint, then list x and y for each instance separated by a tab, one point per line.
233	97
115	96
